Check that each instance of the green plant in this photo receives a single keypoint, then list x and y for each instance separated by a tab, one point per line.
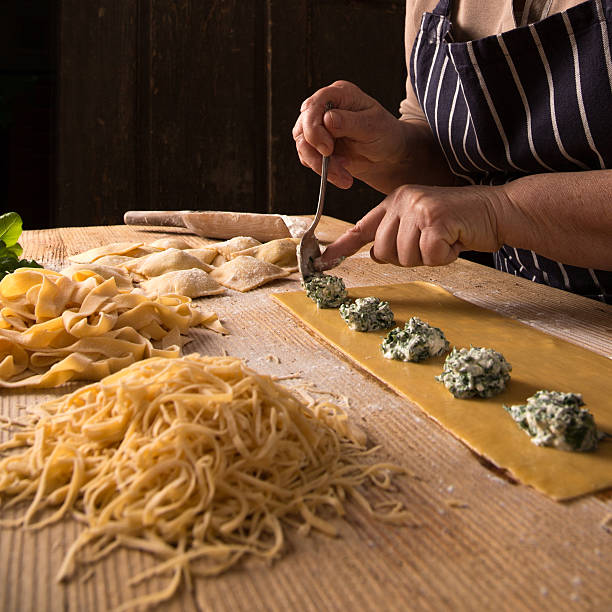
11	227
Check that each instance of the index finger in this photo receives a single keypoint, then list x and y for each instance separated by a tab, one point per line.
315	132
362	233
339	95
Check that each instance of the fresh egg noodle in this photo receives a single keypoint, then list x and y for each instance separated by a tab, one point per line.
196	460
54	328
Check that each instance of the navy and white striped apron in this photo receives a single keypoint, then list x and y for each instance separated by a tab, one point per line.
531	100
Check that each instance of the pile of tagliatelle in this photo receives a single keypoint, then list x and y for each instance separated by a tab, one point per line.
197	460
55	328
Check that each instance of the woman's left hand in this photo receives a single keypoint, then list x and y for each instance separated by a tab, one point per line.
417	225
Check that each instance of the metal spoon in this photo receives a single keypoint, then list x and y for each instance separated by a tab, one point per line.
308	249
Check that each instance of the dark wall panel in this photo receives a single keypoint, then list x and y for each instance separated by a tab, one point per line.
314	43
207	103
27	109
170	105
96	111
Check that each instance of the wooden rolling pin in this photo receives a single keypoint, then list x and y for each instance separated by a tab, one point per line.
216	224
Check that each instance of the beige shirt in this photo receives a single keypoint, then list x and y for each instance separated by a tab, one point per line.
473	19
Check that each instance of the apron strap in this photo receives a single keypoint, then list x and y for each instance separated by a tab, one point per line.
443	8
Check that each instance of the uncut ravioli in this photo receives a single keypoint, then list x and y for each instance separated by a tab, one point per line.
239	243
114	260
174	242
131	249
245	273
168	260
205	254
193	283
281	252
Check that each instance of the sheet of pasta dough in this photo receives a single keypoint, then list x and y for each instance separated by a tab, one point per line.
539	361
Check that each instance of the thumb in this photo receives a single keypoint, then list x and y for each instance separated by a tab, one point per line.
356	237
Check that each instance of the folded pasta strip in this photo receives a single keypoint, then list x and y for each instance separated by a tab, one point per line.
54	328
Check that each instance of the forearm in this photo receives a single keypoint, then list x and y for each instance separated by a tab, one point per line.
417	159
564	216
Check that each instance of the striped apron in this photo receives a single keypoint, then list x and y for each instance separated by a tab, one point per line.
531	100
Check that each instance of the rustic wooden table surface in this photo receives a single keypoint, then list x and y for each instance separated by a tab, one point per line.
477	541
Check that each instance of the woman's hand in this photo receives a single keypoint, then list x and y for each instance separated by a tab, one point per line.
358	134
366	142
430	226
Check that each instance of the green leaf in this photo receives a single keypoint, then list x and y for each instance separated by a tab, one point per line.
8	261
10	264
10	250
15	249
25	263
7	257
10	228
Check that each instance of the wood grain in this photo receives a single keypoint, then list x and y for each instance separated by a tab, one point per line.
189	105
97	76
311	44
476	541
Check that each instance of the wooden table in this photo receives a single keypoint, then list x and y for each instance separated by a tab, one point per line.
476	541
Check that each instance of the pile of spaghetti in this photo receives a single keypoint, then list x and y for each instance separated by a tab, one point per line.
197	460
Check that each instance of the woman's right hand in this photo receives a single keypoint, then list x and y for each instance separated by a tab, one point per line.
363	138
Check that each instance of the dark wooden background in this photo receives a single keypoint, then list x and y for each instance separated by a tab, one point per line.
28	93
170	105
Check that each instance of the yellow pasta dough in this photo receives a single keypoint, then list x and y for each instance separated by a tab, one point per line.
168	260
113	260
281	252
132	249
204	254
54	329
79	272
198	461
238	243
539	361
245	273
193	283
174	242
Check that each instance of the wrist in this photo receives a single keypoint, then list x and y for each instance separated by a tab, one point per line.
512	225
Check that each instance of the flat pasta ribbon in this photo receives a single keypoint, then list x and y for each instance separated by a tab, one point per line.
54	329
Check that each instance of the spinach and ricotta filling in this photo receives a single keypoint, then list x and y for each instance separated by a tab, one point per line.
475	372
326	290
417	341
553	418
367	314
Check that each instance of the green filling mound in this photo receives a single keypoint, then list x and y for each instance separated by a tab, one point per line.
367	314
417	341
556	419
326	290
475	372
